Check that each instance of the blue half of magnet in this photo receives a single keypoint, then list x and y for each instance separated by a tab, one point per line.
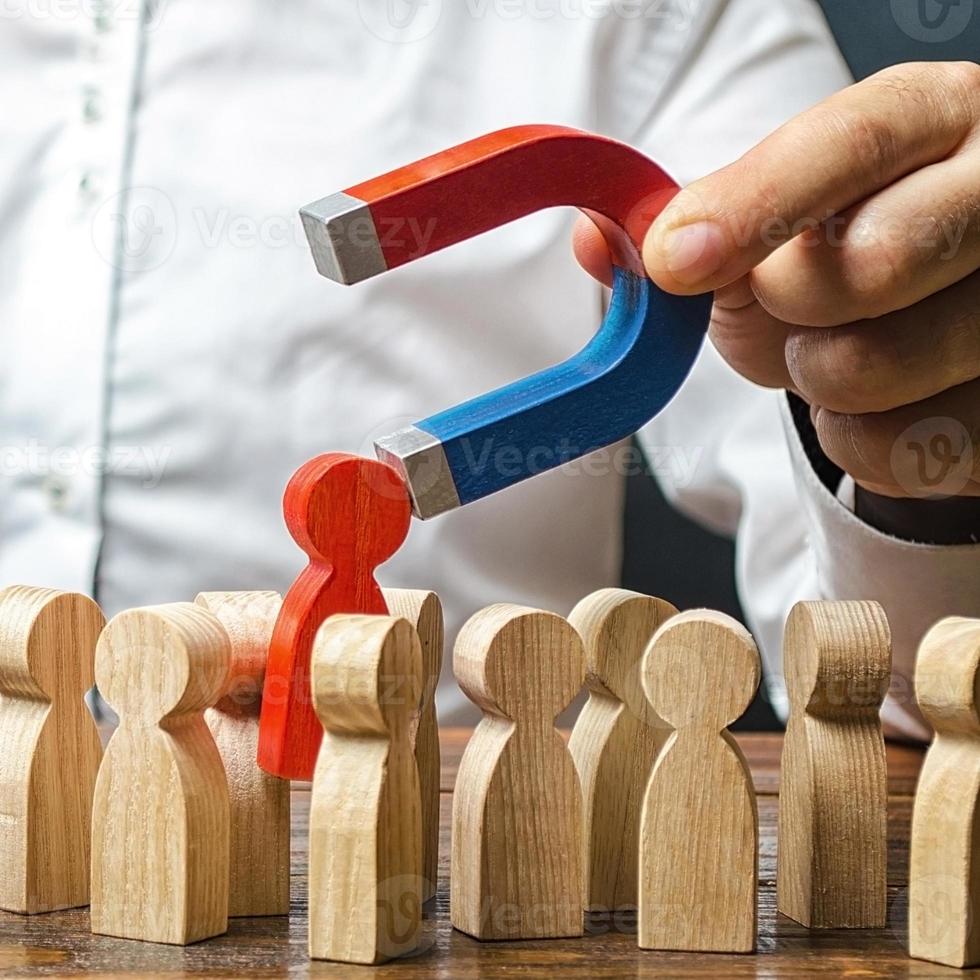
629	371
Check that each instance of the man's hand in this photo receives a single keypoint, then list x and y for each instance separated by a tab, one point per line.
844	253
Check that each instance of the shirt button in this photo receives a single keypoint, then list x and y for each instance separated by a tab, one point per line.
102	16
92	107
56	491
89	186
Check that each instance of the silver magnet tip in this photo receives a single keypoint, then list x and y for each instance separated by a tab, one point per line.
343	238
421	460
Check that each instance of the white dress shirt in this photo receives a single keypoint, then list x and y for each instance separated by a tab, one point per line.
169	356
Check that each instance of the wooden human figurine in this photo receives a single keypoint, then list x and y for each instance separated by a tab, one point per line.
49	747
699	825
259	854
833	791
365	810
160	822
349	514
615	740
424	611
516	866
944	873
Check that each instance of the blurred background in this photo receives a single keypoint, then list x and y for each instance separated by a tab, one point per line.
666	554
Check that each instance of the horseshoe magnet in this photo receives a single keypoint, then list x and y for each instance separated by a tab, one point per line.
632	367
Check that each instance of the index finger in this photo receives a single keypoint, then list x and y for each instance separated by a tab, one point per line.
824	160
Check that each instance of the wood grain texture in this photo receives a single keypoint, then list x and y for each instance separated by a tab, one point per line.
517	809
944	870
424	611
365	813
49	747
349	515
161	820
833	799
761	749
258	865
615	740
60	944
699	825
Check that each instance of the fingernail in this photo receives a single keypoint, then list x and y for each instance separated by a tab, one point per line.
692	253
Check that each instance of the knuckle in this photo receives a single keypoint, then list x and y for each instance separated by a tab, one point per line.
875	140
876	253
844	369
820	284
875	260
909	79
907	76
943	95
866	137
963	79
913	80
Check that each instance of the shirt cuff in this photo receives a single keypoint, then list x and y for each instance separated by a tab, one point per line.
953	520
917	584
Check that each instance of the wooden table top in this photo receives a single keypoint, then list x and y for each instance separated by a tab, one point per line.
59	944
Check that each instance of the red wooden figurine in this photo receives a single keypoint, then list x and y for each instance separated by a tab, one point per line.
349	515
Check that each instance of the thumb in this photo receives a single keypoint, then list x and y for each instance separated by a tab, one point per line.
686	251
